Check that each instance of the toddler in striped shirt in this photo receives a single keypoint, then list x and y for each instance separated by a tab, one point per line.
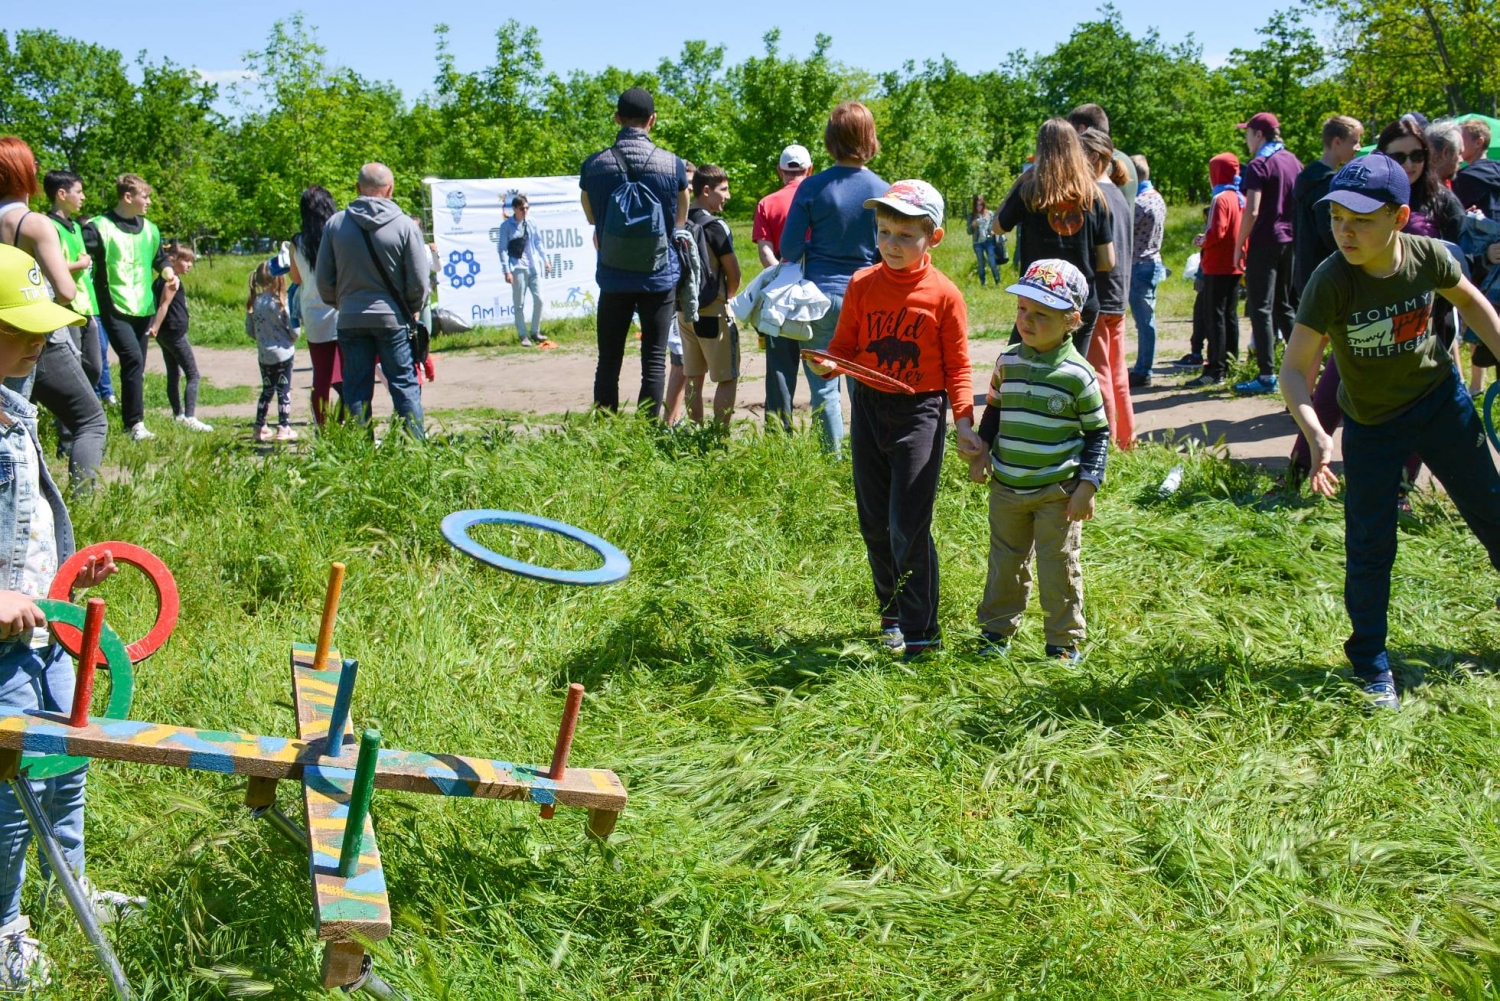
1047	434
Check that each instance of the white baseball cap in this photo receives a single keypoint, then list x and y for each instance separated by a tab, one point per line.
912	198
795	157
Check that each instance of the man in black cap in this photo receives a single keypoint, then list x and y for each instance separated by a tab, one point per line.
635	195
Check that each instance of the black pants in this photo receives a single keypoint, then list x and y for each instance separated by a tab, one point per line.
68	394
1198	342
897	447
1268	280
1221	315
275	378
127	335
177	353
613	324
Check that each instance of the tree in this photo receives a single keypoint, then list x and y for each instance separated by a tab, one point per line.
1289	75
62	96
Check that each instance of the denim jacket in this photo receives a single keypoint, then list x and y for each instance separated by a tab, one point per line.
15	507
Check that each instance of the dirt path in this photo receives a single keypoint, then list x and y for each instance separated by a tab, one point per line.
552	382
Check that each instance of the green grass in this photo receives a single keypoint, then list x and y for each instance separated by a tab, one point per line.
1201	810
217	287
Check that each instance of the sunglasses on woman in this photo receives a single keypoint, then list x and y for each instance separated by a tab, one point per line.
1415	156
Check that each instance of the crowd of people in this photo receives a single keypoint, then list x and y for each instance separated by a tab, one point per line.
1375	261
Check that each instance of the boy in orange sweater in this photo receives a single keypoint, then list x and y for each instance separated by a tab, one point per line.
906	319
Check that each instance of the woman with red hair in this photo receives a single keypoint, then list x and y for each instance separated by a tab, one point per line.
59	382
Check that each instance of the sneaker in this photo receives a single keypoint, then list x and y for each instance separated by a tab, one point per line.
286	433
1257	386
994	645
1071	654
23	962
526	342
1382	694
110	906
1139	380
891	638
263	433
1205	381
1403	506
1189	360
921	648
193	423
110	401
139	432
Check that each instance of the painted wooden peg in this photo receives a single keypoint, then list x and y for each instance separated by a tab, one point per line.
338	719
88	657
564	741
359	803
330	613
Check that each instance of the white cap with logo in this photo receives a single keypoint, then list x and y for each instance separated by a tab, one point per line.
795	157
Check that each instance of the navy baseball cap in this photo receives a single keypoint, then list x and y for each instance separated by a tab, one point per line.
1368	182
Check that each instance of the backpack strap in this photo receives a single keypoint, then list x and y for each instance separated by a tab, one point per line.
17	241
385	278
622	163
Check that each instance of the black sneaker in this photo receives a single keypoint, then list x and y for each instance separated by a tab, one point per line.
1139	380
1204	381
1188	360
921	648
994	645
1071	654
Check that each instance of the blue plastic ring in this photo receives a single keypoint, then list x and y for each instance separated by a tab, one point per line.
456	530
1491	404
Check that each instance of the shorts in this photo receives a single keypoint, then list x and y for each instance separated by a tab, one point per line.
717	357
1483	356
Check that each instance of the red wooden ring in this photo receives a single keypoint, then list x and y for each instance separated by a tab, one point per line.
874	378
167	602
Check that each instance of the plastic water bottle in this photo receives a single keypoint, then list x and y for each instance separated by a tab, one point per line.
1172	482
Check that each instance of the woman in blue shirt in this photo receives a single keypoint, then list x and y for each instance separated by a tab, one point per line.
831	232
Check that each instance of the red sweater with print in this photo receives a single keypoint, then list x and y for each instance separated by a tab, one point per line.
911	325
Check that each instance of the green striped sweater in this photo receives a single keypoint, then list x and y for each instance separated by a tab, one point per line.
1048	402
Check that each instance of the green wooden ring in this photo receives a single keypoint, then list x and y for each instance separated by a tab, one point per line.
121	687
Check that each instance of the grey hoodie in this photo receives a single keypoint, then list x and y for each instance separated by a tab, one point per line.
347	278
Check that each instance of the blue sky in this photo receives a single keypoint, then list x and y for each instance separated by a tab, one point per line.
387	40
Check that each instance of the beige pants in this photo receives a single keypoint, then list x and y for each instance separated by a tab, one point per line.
1018	523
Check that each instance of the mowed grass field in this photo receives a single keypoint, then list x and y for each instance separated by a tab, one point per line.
1202	809
217	289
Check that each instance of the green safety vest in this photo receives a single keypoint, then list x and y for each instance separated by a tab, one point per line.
128	265
72	243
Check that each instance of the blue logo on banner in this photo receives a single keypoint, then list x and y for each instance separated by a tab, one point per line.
461	269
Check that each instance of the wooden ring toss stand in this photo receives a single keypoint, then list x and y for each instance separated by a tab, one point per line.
338	772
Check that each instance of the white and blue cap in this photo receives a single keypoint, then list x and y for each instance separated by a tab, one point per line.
1368	183
1055	283
911	198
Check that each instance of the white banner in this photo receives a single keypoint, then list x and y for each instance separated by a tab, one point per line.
466	218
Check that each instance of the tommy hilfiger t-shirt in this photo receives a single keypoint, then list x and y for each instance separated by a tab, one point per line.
1378	327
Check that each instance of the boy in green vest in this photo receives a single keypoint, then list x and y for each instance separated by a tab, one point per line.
127	252
64	189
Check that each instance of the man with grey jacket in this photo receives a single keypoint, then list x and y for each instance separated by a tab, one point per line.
368	249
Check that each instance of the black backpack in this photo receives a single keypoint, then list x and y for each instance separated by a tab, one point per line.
710	273
634	234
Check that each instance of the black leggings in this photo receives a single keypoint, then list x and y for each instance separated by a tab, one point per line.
127	335
177	353
275	378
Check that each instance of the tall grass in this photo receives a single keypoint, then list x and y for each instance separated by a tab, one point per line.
1196	811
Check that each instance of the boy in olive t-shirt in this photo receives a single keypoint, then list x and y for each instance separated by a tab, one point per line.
1400	392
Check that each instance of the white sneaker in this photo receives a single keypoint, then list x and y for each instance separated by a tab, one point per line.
23	962
193	423
139	432
110	906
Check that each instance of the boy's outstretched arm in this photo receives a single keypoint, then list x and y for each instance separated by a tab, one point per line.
1303	352
1477	312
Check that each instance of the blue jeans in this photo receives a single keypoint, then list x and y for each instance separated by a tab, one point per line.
1444	429
37	679
783	357
985	252
103	389
358	349
1144	277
